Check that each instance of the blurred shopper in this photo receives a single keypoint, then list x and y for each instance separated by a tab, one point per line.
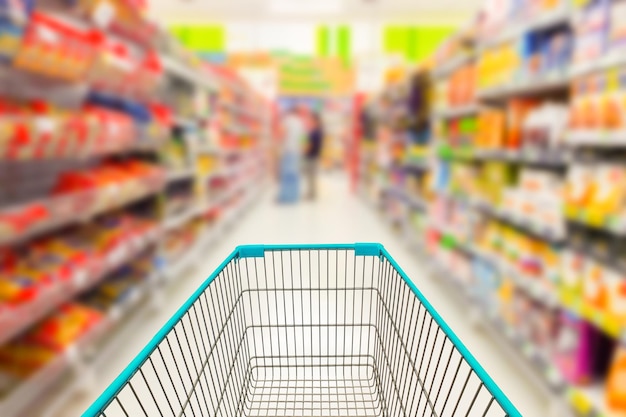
312	155
294	133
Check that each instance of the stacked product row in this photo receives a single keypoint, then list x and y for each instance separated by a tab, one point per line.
393	163
121	158
525	198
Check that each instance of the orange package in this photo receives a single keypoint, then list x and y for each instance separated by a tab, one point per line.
491	129
616	384
517	111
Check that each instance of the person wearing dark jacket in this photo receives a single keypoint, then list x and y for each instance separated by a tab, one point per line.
312	156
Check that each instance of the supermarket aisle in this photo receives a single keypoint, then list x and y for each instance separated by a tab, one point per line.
335	217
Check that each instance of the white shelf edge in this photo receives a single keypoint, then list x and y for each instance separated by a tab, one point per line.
192	76
560	15
446	68
457	111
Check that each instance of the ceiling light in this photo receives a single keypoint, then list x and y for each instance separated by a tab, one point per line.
305	7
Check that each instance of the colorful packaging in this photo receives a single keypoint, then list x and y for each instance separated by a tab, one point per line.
616	384
581	351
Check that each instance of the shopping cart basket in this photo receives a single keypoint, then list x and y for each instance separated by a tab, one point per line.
317	330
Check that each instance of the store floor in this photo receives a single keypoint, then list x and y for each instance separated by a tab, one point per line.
336	217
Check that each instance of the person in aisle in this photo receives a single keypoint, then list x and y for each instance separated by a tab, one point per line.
312	155
289	177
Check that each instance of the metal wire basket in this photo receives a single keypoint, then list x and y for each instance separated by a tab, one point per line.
318	330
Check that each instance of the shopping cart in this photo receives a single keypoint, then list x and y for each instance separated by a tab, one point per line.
312	330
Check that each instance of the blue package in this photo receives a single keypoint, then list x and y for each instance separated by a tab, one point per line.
487	280
136	110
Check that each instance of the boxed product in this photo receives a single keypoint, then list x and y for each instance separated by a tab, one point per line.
545	126
517	111
592	31
581	352
44	342
491	129
579	189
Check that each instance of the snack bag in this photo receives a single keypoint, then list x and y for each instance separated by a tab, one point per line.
616	384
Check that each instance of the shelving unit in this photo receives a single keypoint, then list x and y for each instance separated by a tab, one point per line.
121	181
527	87
501	247
457	112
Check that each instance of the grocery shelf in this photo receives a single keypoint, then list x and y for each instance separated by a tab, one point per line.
553	158
587	400
605	62
240	110
596	138
415	202
120	322
191	256
553	95
448	230
16	319
610	325
527	87
146	146
80	207
180	219
581	398
448	153
80	358
236	129
213	203
457	111
234	170
615	225
132	299
210	175
190	75
236	211
213	150
187	260
415	165
540	371
544	20
86	127
185	122
556	158
446	68
412	200
546	232
546	296
584	401
36	151
29	392
175	175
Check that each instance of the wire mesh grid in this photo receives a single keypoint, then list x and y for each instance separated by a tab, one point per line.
305	332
